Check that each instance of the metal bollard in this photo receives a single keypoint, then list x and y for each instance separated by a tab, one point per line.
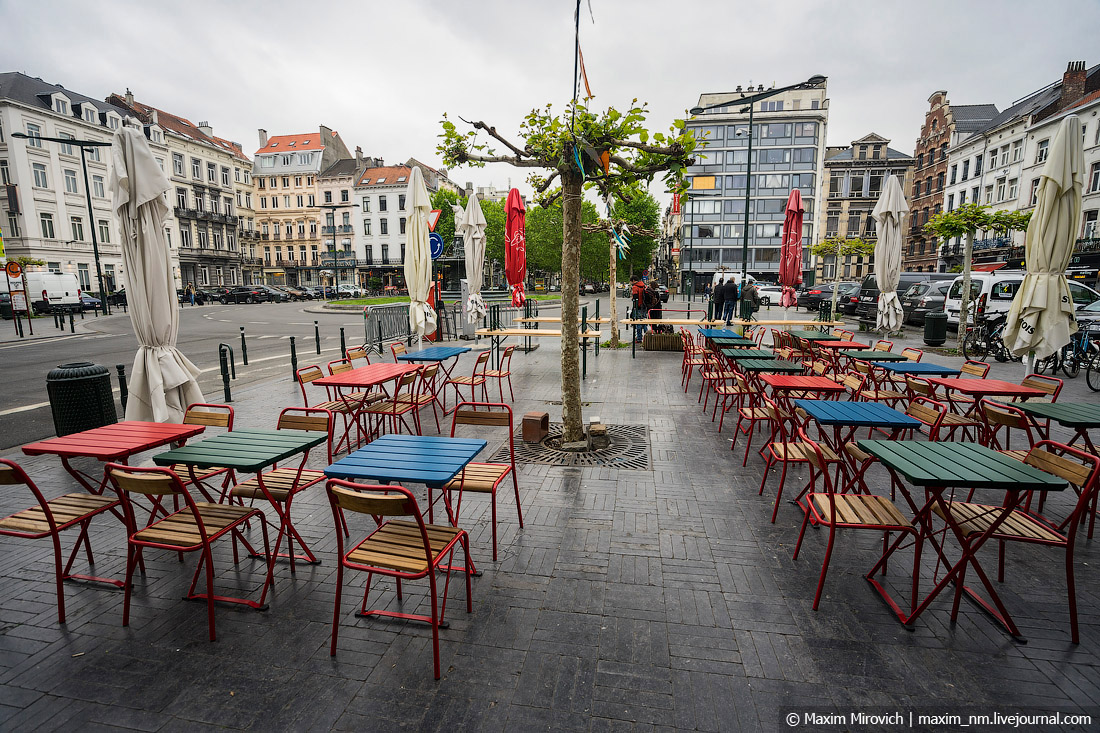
225	374
232	362
343	345
72	323
123	393
293	360
317	336
244	349
584	343
380	344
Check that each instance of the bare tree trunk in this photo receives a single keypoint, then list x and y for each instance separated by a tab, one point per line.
836	282
614	313
572	419
965	302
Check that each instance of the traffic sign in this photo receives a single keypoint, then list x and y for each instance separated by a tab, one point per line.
14	269
675	251
433	218
435	241
19	301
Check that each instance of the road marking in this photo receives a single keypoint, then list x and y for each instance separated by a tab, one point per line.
257	323
24	408
49	340
268	336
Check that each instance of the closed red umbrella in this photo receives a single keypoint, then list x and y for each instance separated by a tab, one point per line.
515	246
790	257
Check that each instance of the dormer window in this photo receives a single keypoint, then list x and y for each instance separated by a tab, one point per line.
90	114
60	106
366	181
306	141
291	143
113	121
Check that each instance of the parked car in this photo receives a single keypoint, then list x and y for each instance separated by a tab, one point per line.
813	296
867	308
349	291
274	294
294	293
769	294
993	293
117	298
663	291
89	303
923	298
1089	315
51	291
245	294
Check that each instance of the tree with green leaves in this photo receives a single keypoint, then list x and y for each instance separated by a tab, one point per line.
838	247
609	151
443	200
965	221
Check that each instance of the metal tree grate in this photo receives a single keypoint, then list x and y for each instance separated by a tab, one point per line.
629	449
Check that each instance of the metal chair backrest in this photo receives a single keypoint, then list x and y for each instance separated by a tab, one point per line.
506	359
912	354
340	366
929	412
883	345
973	368
487	414
12	474
209	414
309	419
305	375
1051	385
920	387
481	362
354	353
397	349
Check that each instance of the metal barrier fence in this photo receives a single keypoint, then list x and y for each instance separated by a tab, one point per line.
382	323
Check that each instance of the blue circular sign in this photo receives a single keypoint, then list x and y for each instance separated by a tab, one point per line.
435	241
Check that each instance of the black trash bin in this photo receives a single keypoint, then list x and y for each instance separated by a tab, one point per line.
80	397
935	328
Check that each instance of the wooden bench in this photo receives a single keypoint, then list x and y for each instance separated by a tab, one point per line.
551	319
533	333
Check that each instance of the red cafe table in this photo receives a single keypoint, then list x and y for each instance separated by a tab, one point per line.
979	388
117	443
785	386
364	378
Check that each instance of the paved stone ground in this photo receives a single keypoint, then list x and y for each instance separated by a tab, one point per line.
630	600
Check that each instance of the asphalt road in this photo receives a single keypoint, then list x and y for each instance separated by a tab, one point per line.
24	410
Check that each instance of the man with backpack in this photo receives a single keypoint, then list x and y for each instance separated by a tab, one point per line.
638	304
729	300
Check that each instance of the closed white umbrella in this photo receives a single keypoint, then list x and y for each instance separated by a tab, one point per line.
472	228
162	381
1041	318
418	256
890	213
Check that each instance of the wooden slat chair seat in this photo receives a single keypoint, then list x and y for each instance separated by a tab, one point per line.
52	517
783	448
1082	471
284	483
837	510
733	393
483	478
395	408
424	394
475	380
397	548
505	372
212	416
191	529
715	370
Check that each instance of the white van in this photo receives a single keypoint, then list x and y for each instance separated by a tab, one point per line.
994	291
47	290
724	276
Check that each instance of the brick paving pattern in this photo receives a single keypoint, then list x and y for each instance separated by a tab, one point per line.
659	599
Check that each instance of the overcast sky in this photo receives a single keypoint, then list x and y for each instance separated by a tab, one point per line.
383	73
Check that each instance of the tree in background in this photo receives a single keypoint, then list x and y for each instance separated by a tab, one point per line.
611	150
838	247
965	221
443	200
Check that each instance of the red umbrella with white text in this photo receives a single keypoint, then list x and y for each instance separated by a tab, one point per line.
790	257
515	246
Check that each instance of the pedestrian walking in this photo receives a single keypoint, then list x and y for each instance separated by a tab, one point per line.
717	298
638	304
191	292
729	300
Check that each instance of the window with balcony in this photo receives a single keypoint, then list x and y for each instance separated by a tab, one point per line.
204	239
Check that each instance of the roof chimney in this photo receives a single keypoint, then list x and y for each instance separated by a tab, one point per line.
153	114
206	129
129	97
263	138
358	157
1073	84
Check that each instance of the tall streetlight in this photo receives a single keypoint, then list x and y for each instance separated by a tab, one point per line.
691	194
84	145
813	82
332	208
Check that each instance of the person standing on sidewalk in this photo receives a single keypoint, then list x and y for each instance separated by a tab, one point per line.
637	302
717	297
729	300
191	292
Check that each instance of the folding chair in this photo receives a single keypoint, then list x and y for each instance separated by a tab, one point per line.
397	349
191	529
335	402
475	380
395	407
211	415
280	485
1082	471
358	353
402	550
505	373
423	394
883	345
484	478
783	448
848	511
51	518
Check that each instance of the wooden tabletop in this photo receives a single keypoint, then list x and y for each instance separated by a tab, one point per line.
748	354
370	375
249	450
815	336
801	382
770	365
114	442
840	344
857	414
1071	414
954	464
434	353
914	368
874	355
408	459
982	387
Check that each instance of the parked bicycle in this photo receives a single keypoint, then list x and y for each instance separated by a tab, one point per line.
1082	352
985	339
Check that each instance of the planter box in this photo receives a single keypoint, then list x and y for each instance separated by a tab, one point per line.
662	342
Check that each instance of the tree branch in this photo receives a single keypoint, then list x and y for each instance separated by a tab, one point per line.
645	148
546	184
644	169
463	156
479	125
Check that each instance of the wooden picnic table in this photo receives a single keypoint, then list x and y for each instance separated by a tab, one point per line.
116	442
938	468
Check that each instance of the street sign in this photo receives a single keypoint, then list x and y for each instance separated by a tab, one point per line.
14	269
19	301
435	241
433	218
675	251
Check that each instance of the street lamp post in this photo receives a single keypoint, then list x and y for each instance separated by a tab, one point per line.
84	146
750	101
335	257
